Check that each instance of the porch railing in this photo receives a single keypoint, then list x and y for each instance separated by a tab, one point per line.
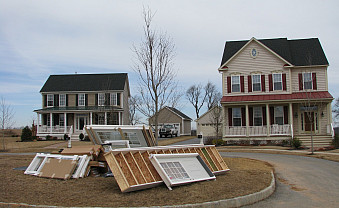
55	129
274	130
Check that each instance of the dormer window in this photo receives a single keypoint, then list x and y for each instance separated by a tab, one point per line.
235	83
277	81
50	100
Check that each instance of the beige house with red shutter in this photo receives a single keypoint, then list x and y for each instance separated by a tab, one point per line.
276	89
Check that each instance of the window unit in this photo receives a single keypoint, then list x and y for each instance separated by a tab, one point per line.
50	100
235	83
101	99
61	120
81	99
62	100
101	118
236	116
114	99
48	122
277	81
256	82
279	115
257	116
307	78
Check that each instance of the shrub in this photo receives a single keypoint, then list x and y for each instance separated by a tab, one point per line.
296	143
218	142
48	137
81	136
26	134
65	137
335	141
86	139
286	143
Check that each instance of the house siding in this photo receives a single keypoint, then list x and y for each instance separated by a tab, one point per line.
321	75
71	100
91	99
265	63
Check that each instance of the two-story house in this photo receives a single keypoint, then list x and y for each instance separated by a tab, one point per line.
276	89
69	102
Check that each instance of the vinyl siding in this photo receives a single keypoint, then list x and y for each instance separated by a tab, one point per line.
265	63
91	99
321	77
71	100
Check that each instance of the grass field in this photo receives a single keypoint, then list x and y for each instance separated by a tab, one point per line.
246	176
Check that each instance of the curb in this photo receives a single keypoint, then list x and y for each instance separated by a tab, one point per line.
225	203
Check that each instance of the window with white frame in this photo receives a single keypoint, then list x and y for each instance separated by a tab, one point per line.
257	116
101	118
48	122
62	100
277	81
235	83
174	170
236	116
256	82
307	78
114	98
61	120
279	115
101	99
81	99
50	100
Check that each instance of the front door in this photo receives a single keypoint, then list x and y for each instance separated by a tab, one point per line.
81	121
309	121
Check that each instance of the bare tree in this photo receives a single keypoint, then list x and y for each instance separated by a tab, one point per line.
6	118
213	97
216	119
196	97
133	115
154	66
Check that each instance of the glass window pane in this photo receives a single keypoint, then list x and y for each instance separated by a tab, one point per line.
235	83
307	81
277	81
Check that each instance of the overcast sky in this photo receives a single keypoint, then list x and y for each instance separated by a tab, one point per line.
43	37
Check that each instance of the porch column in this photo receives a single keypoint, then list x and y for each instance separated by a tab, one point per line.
329	113
268	121
91	118
65	123
38	124
105	118
224	120
119	117
247	121
291	117
50	122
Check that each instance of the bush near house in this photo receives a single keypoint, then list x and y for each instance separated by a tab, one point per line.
296	143
26	134
335	141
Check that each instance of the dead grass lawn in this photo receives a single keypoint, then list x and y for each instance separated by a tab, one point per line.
246	176
14	144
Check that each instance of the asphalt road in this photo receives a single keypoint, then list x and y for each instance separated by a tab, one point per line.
301	181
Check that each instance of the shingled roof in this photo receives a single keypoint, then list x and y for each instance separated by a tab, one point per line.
181	114
299	52
85	82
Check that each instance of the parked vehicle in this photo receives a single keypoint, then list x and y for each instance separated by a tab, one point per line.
168	130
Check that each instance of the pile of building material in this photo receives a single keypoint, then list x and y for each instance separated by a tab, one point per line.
76	162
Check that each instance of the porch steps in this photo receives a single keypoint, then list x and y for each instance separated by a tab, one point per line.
318	141
75	137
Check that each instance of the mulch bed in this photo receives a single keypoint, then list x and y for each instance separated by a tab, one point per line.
246	176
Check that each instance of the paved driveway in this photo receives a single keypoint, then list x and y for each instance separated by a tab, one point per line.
301	181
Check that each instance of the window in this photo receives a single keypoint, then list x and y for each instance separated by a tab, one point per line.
48	120
277	82
279	115
101	118
256	82
101	99
61	120
235	83
62	100
81	99
50	100
236	116
174	170
257	115
307	77
114	99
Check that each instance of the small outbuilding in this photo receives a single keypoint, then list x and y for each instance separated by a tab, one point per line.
208	122
170	115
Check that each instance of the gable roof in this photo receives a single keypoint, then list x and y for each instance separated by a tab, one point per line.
299	52
179	113
85	82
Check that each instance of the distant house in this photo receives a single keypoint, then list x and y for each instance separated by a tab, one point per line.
169	115
206	123
69	102
276	89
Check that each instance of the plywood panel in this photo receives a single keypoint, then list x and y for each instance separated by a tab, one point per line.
144	168
214	159
219	158
117	171
202	155
134	168
154	172
125	169
58	168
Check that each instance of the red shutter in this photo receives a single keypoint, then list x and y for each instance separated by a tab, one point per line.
242	84
300	75
314	79
243	117
228	84
272	115
285	115
270	82
264	116
230	117
284	81
250	111
263	83
249	83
